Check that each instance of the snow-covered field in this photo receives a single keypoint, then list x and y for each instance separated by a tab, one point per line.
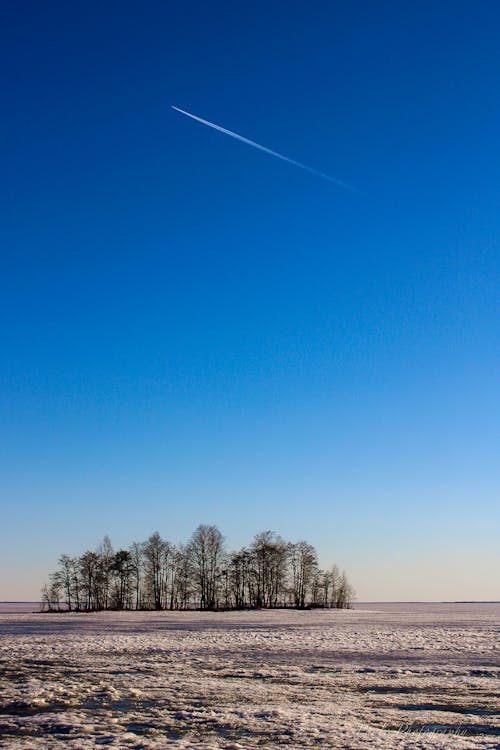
379	676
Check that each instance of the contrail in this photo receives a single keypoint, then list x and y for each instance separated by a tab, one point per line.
266	150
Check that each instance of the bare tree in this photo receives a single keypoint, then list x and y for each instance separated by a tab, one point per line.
269	555
345	593
304	564
182	580
89	567
105	553
158	575
122	568
136	562
67	576
333	578
239	573
153	555
207	552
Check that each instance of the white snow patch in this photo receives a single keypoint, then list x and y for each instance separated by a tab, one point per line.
422	677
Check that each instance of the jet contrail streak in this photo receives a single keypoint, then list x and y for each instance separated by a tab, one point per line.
266	150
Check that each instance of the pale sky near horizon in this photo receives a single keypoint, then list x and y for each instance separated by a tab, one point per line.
196	332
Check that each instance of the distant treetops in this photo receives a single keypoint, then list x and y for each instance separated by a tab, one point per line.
201	574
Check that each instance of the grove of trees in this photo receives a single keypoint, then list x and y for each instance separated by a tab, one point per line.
201	574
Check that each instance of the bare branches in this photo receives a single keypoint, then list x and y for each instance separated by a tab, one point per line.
202	574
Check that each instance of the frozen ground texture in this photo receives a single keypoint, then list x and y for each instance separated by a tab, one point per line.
384	676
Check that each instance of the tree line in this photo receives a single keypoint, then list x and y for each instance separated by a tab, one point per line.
201	574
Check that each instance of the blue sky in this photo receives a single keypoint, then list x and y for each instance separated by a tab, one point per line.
194	331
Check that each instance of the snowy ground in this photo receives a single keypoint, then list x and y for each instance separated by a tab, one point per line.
385	676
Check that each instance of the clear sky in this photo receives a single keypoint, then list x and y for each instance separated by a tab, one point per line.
193	331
